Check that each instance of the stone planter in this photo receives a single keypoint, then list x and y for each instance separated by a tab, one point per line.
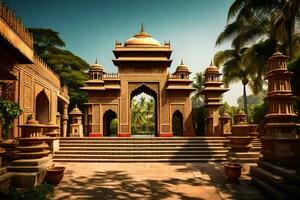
240	143
253	130
233	171
54	175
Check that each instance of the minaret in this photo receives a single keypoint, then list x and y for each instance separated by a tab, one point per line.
281	145
212	92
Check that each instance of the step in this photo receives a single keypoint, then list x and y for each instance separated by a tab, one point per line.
141	145
142	149
145	138
3	170
267	189
142	142
136	156
289	174
154	152
141	160
30	162
29	168
276	181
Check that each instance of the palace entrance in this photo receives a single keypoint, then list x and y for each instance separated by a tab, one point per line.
144	96
143	111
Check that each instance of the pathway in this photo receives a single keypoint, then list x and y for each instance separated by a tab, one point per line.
151	181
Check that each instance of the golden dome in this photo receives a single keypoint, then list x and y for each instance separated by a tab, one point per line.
96	66
212	70
142	39
182	67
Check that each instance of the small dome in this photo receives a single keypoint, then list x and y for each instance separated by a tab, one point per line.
182	67
96	66
75	111
226	115
142	39
211	69
241	112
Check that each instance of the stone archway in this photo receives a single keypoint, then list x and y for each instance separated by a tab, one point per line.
148	91
177	123
42	107
108	118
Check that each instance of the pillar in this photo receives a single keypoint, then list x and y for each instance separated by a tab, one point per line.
65	120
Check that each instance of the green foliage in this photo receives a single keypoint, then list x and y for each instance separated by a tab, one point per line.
143	116
9	111
231	110
198	85
40	192
114	127
253	101
70	68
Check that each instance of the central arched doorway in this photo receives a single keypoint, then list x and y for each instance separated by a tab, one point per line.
110	124
177	123
42	108
143	112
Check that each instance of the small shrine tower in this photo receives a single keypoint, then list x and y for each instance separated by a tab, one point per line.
281	145
212	92
76	125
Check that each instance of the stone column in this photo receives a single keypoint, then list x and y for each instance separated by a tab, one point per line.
58	122
65	120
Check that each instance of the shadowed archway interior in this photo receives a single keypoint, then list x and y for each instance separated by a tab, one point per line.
108	119
177	123
42	108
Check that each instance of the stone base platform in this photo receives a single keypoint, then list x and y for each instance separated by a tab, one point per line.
277	182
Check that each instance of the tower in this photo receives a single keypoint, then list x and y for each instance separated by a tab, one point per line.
281	144
212	92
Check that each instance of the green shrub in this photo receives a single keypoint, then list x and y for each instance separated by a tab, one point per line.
40	192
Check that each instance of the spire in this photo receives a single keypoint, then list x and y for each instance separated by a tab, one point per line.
96	62
181	61
211	63
142	27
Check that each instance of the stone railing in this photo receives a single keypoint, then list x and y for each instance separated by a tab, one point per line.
16	24
111	76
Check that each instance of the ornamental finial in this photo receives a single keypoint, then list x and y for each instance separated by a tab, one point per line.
181	61
142	27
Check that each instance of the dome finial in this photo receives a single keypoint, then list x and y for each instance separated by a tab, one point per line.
96	62
142	27
181	61
211	63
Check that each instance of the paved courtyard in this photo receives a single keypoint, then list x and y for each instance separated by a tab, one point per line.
151	181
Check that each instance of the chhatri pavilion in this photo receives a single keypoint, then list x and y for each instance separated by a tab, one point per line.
143	67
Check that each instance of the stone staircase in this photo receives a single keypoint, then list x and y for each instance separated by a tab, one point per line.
175	149
277	182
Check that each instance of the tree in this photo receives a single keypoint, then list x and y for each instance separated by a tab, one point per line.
285	14
70	68
198	85
9	111
233	69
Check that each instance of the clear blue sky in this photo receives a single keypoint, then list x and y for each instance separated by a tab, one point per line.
90	27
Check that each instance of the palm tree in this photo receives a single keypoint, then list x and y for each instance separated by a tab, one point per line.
137	115
285	14
233	69
198	84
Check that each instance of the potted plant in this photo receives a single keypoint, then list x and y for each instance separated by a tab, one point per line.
54	175
9	111
233	170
